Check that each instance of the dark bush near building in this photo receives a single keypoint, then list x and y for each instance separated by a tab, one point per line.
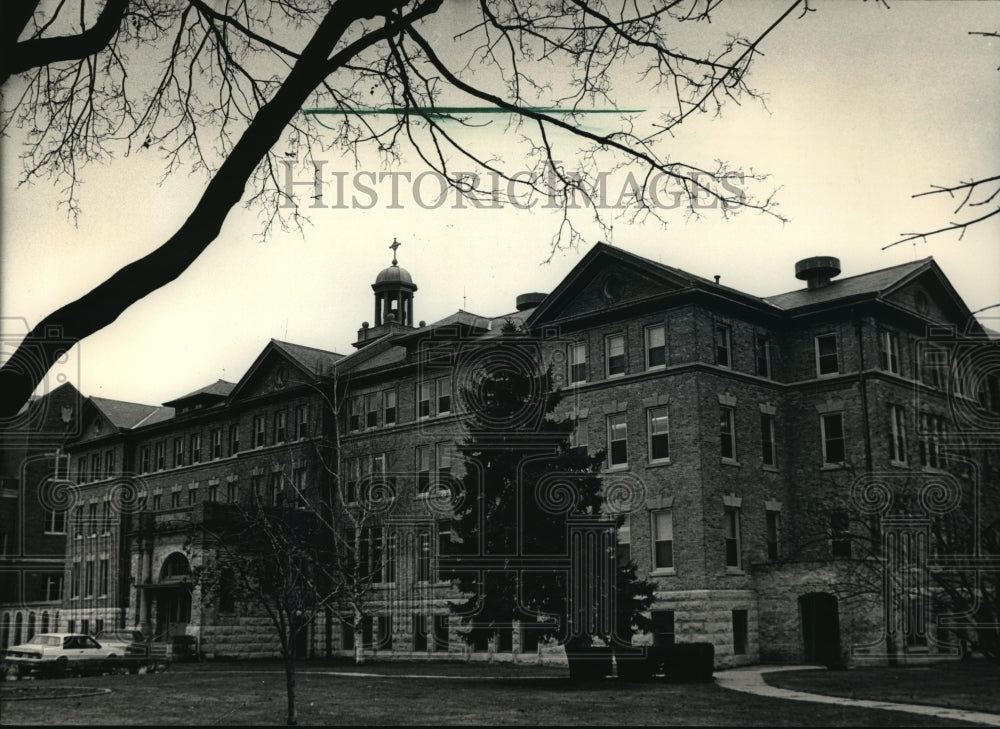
589	663
687	662
637	666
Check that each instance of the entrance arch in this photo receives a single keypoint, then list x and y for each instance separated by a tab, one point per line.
820	618
173	597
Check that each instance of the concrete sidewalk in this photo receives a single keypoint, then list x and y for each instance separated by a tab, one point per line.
751	680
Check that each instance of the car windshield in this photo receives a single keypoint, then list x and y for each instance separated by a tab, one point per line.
44	640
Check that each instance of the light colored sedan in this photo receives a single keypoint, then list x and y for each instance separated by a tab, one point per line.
60	653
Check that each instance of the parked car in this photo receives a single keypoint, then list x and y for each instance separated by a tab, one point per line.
60	653
131	647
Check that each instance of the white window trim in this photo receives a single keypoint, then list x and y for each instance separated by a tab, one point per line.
897	432
828	464
645	337
607	355
649	435
652	542
608	424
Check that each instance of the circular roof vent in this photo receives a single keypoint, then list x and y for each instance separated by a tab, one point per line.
529	301
817	271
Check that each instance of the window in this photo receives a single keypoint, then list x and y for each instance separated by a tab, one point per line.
419	628
213	493
425	390
88	580
175	499
445	457
733	547
81	469
234	439
934	366
739	632
302	421
385	632
443	395
371	410
227	591
773	527
144	459
55	521
888	354
623	542
578	362
723	345
727	432
257	487
614	353
157	502
897	438
109	464
354	414
74	582
372	555
580	437
92	525
258	431
346	636
617	440
196	448
232	492
178	452
832	428
276	489
932	427
656	346
663	627
389	405
826	354
763	346
217	443
840	534
658	427
663	539
423	557
299	481
280	426
102	577
95	466
106	517
768	450
53	591
423	459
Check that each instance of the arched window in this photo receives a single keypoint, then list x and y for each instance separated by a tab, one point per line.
31	626
45	622
175	566
18	624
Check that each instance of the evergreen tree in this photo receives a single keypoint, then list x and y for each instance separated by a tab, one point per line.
526	489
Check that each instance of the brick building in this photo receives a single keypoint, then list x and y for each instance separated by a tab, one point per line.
760	448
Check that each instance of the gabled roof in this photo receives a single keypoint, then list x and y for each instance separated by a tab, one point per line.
673	279
218	390
127	415
311	361
314	361
871	283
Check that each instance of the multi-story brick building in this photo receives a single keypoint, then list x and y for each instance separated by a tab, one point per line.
757	444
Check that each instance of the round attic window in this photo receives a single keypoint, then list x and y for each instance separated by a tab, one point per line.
922	302
613	288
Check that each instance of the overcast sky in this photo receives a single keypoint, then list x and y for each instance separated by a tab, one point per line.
865	107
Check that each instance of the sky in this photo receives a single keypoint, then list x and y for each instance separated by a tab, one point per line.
865	107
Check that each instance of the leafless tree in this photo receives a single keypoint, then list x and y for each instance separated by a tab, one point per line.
977	199
219	85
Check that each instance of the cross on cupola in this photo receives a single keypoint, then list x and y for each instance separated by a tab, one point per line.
395	244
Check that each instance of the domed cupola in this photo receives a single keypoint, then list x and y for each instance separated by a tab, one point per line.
394	290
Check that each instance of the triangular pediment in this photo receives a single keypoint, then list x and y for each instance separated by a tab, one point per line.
608	278
928	293
283	366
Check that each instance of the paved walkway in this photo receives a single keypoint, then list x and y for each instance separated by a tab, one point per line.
751	680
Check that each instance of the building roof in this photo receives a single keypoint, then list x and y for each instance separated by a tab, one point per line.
131	414
873	282
218	390
312	360
393	274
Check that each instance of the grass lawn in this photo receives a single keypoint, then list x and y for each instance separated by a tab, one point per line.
973	684
456	693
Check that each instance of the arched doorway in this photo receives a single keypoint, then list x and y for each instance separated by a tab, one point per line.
173	597
820	628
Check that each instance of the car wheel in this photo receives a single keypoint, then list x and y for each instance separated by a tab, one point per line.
60	667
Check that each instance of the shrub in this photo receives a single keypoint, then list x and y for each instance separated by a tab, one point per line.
688	662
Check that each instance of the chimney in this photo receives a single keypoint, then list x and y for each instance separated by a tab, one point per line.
817	271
